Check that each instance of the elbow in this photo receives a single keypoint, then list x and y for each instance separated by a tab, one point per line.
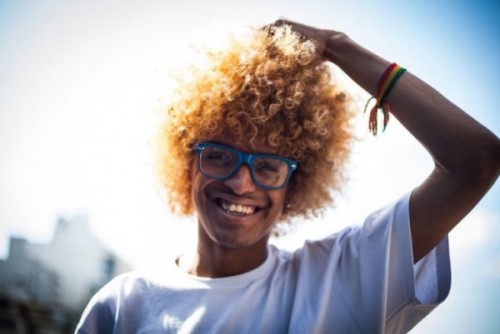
484	166
478	163
494	159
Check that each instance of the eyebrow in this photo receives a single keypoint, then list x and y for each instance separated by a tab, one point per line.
242	151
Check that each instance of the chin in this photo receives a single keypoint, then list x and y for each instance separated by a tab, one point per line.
238	240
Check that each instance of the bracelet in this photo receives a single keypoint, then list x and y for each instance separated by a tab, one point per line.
384	86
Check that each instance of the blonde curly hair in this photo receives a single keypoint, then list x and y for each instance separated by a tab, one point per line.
269	88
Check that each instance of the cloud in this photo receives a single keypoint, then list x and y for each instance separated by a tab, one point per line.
492	268
476	229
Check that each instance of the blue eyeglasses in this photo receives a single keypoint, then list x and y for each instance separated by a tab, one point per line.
221	162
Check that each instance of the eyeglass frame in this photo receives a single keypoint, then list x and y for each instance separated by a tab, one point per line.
247	158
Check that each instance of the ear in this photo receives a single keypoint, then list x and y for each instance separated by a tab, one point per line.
286	202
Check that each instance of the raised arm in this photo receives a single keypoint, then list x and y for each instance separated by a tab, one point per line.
466	154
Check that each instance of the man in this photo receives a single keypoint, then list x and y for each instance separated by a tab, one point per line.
261	135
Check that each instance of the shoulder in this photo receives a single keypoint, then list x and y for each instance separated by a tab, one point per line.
379	226
100	313
109	293
126	282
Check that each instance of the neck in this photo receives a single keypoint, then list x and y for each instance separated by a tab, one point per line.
212	260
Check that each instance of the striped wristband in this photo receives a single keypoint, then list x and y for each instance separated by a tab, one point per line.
385	84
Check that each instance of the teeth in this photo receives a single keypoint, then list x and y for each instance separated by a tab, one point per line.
237	208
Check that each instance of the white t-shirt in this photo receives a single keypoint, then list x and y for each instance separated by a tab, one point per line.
360	280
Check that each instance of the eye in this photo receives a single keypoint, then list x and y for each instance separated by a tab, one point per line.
217	157
267	166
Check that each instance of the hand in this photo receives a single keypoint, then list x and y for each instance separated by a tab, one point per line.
319	36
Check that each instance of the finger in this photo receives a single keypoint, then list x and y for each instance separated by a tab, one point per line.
303	29
306	31
275	22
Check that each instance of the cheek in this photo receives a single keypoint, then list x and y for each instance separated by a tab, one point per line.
279	202
196	188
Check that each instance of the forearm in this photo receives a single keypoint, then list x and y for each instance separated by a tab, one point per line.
449	134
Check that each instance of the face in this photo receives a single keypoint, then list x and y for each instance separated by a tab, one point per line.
235	213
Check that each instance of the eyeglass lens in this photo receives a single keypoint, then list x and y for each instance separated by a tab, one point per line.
219	162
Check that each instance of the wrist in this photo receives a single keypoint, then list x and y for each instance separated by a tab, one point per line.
336	46
362	65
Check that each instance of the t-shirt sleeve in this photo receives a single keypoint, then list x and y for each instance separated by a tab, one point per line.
410	291
99	315
364	280
413	290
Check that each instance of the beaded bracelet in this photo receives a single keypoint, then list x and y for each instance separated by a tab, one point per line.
384	86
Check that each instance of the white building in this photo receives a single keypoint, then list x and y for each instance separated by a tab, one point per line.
65	272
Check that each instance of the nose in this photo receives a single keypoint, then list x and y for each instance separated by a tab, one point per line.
241	182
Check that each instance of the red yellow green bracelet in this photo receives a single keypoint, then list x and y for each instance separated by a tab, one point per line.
384	86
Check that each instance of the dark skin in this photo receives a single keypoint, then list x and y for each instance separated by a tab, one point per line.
231	243
466	164
466	155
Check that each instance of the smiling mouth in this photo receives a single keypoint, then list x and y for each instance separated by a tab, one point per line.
236	209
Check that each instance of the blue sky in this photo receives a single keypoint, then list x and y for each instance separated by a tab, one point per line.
81	84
